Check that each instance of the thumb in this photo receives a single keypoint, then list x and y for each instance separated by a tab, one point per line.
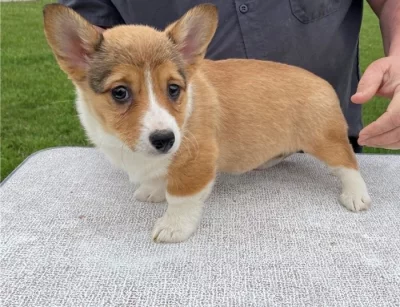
370	82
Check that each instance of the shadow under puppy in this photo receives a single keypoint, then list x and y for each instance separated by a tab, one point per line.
171	119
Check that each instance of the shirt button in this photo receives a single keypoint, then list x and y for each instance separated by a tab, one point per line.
243	8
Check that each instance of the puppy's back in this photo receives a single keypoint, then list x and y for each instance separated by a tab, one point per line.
270	107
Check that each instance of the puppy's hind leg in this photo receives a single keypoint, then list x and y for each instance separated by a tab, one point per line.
337	153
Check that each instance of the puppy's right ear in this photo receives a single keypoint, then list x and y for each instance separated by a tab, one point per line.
72	39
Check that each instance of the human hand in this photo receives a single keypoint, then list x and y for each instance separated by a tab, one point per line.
381	78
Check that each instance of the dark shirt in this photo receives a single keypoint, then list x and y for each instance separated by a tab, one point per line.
318	35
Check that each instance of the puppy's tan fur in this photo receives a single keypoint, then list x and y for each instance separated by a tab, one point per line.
237	114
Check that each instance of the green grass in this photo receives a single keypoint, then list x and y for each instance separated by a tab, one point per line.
37	108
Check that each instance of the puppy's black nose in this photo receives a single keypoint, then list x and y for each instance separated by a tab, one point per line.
162	140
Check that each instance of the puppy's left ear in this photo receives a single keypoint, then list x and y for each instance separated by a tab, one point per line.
193	32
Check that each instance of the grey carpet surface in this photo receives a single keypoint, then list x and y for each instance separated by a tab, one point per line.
73	235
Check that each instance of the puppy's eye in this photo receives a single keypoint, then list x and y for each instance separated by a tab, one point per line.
174	91
121	94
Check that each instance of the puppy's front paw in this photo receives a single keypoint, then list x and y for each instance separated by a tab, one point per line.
355	201
148	193
355	196
173	229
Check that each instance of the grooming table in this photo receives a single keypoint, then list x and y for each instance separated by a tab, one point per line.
73	235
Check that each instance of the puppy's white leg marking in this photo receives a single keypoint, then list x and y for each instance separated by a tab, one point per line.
182	217
151	191
354	190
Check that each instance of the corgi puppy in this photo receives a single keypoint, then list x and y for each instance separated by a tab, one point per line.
150	101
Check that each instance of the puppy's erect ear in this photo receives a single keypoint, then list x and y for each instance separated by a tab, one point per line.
193	32
72	39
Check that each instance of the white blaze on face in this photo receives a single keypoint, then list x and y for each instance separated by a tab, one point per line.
156	118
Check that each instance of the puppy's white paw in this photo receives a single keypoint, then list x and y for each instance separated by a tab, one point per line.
173	229
182	217
148	193
355	194
355	200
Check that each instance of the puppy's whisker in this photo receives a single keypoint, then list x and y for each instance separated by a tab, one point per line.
194	147
186	145
193	140
175	182
194	137
196	144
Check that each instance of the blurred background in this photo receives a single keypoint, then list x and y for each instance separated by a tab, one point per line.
37	99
